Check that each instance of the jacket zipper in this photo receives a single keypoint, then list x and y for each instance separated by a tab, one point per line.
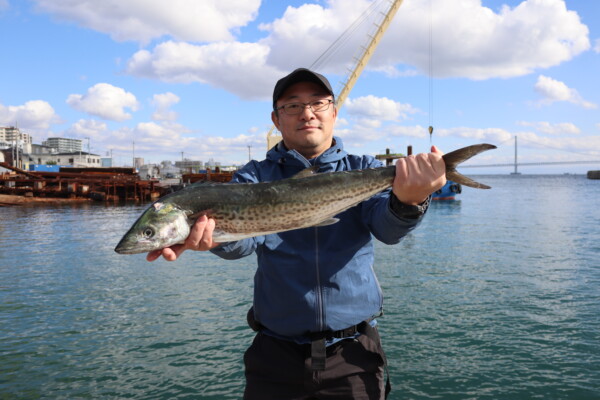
320	310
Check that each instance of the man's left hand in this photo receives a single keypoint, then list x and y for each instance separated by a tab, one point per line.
418	176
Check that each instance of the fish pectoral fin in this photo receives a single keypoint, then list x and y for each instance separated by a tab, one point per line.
310	171
455	176
329	221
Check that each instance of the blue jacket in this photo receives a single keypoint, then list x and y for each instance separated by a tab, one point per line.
319	278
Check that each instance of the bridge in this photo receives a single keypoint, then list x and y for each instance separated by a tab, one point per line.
517	164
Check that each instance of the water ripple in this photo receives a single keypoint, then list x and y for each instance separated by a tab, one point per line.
493	297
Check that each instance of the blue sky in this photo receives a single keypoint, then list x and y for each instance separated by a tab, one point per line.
194	78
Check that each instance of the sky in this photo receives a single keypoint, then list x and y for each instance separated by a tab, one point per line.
193	79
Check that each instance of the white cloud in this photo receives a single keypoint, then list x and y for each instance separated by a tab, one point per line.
379	108
564	128
34	114
479	43
142	20
105	101
85	128
415	131
490	135
162	103
170	139
552	91
371	119
4	5
149	137
236	67
597	46
586	146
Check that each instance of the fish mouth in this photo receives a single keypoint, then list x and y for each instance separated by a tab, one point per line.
126	250
126	247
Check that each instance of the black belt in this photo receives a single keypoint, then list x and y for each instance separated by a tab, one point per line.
341	334
318	352
317	343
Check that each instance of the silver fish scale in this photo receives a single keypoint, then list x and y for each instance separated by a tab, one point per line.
263	208
246	210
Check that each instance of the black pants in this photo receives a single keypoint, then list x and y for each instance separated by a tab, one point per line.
281	370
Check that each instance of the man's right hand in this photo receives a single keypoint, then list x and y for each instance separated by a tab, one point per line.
199	239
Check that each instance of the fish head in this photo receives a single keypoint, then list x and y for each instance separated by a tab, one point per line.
161	225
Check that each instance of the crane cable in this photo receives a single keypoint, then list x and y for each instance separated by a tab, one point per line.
430	72
324	58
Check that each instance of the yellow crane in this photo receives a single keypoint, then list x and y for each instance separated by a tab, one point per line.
359	66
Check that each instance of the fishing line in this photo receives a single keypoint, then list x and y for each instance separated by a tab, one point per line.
430	73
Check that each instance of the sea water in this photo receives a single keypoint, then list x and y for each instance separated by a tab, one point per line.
494	296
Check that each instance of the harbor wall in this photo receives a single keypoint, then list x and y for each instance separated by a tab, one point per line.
593	174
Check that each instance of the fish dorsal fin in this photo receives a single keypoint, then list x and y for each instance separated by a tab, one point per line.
310	171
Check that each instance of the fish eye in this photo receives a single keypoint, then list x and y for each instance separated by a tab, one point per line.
148	233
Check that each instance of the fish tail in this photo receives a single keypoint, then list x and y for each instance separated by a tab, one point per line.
456	157
457	177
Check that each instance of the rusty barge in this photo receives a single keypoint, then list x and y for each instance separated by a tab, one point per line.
113	184
99	184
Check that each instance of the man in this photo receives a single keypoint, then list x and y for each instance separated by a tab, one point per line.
315	292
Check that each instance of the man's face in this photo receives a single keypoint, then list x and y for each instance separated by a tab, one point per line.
309	133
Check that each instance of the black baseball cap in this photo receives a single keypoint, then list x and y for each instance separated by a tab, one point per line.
299	75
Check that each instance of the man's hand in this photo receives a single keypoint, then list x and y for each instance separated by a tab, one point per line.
418	176
199	239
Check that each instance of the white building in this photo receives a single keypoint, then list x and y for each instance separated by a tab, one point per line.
168	170
79	159
212	163
189	166
63	145
138	162
10	135
149	171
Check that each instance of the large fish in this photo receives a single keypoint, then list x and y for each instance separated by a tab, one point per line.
243	210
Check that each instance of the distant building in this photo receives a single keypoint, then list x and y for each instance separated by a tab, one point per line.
106	162
80	159
63	145
149	171
138	162
189	166
41	149
168	170
212	163
11	136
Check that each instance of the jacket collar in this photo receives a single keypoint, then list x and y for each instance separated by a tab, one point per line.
281	155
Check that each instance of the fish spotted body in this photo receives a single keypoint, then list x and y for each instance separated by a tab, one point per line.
243	210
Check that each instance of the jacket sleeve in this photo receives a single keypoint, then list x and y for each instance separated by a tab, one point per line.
235	250
378	215
244	247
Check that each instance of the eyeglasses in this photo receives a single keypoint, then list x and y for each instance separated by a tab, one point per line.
297	108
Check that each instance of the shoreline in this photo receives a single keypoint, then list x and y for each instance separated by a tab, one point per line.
14	200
